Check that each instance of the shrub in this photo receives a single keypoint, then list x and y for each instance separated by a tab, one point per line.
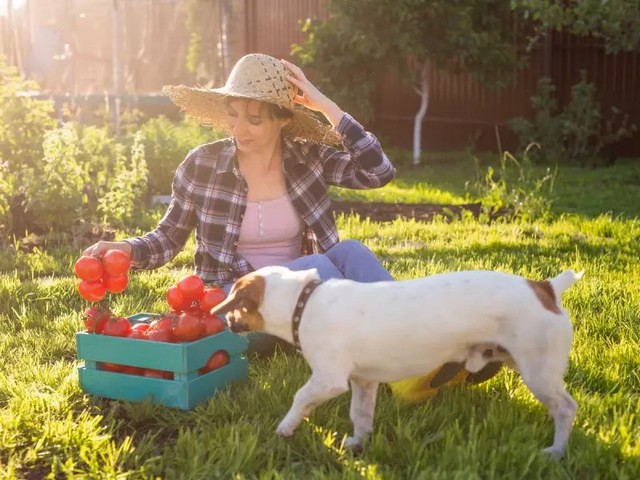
166	144
577	134
127	188
23	121
84	175
515	187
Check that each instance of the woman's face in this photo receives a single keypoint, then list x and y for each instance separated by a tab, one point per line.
252	126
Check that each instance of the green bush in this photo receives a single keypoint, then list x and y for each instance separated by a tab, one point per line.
23	122
577	134
166	144
127	188
515	188
85	175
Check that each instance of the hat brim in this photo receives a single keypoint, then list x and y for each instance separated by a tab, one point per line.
207	106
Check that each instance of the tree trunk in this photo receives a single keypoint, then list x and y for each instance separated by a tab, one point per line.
423	91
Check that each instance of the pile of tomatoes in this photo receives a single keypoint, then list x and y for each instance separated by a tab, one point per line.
99	275
188	321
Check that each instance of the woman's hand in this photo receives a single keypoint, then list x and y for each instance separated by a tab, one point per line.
100	248
311	97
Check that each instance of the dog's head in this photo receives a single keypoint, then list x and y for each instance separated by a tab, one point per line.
262	294
241	305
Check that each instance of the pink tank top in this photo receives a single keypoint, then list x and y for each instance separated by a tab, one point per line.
270	233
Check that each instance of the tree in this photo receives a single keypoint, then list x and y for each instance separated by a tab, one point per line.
362	40
615	22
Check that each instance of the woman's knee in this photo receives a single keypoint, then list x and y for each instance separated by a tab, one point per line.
357	262
325	267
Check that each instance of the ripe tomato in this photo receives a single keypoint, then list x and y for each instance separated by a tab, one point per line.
191	286
188	327
176	299
130	370
217	360
159	336
89	268
161	330
140	327
163	323
212	325
111	367
150	372
137	334
116	262
95	318
210	298
117	327
115	284
91	291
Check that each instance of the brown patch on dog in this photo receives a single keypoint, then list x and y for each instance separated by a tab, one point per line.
243	301
546	295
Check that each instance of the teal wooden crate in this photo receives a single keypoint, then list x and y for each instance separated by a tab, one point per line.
187	389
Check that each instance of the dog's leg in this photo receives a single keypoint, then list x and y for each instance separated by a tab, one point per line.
544	379
363	405
320	388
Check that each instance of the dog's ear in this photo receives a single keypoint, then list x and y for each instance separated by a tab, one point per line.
247	293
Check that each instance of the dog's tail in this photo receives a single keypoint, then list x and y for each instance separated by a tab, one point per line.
563	281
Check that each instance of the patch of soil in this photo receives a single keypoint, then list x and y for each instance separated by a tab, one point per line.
84	234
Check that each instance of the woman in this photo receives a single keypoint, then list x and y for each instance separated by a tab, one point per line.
260	197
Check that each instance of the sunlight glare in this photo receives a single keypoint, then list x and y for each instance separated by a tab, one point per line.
4	6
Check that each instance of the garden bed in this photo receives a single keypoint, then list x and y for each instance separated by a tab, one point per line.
386	212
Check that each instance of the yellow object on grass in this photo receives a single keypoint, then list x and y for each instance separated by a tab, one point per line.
417	389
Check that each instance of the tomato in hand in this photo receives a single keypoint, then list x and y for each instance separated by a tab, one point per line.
89	268
217	360
191	286
115	284
176	299
116	262
117	327
188	327
212	325
91	291
211	297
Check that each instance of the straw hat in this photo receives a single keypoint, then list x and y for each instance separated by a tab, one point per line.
259	77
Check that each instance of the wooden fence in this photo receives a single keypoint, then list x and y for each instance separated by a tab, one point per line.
461	111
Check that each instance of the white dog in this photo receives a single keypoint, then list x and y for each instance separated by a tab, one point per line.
368	333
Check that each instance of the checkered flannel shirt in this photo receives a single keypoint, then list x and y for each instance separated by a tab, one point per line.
209	195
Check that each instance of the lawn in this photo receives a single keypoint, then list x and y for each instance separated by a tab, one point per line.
49	428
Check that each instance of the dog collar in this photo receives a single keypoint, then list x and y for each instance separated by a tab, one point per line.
297	312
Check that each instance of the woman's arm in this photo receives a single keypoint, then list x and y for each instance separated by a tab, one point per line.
161	245
364	163
311	97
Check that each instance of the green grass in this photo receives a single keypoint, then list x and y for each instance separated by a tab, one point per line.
49	428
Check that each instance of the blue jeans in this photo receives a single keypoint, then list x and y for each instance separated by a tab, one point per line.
348	259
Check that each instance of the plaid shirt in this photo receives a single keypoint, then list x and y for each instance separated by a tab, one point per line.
209	195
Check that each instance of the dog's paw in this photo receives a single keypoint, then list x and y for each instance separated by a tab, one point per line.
353	444
553	453
285	430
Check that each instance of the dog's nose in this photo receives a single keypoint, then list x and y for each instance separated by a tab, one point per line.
237	327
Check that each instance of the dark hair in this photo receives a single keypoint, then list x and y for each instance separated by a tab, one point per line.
278	112
273	110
